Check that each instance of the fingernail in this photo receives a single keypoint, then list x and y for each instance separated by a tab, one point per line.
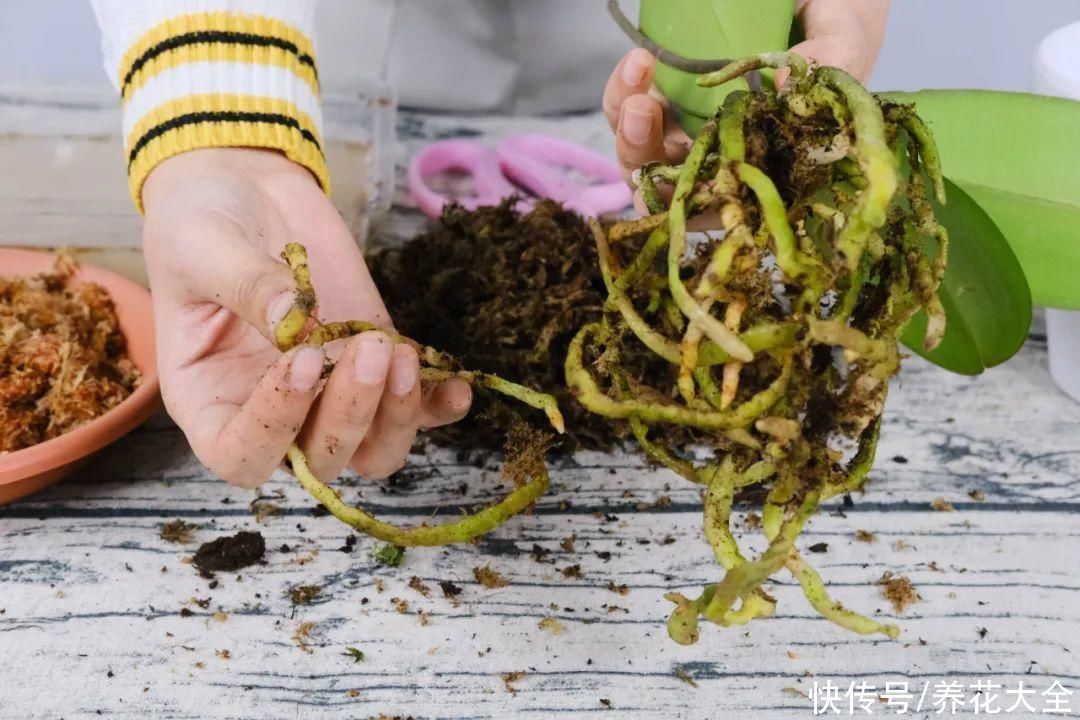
305	369
633	71
403	371
372	358
279	308
636	126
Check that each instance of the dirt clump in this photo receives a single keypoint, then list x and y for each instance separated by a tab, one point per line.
230	553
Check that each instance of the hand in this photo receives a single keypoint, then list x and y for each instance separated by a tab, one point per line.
216	223
840	33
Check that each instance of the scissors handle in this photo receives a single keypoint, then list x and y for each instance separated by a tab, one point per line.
540	163
489	183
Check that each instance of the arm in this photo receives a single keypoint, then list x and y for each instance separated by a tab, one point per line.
224	147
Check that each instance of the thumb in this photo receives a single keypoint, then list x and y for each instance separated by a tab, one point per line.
225	268
833	50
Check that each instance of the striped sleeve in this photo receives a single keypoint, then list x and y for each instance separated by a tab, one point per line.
213	73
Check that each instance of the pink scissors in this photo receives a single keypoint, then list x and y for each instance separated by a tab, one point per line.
539	164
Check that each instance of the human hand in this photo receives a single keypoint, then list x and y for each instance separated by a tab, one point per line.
216	223
839	33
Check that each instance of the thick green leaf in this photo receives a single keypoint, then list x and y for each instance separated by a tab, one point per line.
986	297
1018	156
704	29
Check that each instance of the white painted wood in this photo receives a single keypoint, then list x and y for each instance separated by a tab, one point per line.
87	588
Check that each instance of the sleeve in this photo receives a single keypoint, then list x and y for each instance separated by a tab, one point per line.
213	73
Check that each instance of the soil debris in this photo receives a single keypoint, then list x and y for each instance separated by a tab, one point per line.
618	589
449	589
898	590
572	571
942	505
684	675
177	532
400	604
489	578
567	543
865	536
302	635
264	507
820	547
418	585
230	553
509	678
552	625
541	555
304	594
977	495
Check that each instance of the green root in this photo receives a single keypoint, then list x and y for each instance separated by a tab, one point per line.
814	589
436	367
463	530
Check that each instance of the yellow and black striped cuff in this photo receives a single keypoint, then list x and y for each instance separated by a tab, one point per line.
204	121
220	80
217	37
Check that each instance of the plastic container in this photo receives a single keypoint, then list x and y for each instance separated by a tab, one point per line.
64	182
1057	73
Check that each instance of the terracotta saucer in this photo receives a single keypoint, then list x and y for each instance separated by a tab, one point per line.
29	470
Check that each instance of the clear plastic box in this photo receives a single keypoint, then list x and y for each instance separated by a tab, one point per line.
63	180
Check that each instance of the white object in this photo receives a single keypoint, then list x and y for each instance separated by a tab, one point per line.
1057	73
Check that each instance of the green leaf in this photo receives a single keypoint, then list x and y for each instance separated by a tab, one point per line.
390	555
709	29
355	653
986	297
1018	156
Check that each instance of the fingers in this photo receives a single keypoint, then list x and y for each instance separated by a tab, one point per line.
445	403
387	443
346	408
639	137
245	444
241	277
632	76
833	51
842	34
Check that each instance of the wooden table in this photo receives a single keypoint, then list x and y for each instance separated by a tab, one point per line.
100	616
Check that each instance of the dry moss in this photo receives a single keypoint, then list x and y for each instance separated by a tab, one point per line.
898	590
489	578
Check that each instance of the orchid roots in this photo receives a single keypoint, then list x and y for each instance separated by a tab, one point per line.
782	327
300	326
